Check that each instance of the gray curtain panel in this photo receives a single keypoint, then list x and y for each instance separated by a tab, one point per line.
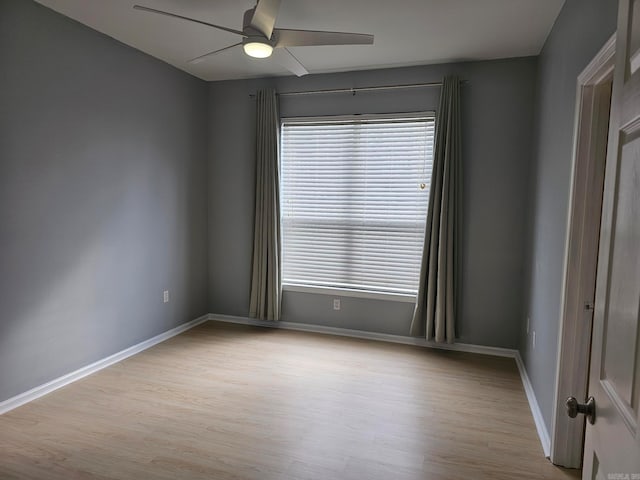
434	314
266	272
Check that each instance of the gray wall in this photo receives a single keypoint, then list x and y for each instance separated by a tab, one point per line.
579	32
498	110
102	196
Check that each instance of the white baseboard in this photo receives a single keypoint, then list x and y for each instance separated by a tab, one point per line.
384	337
59	382
541	427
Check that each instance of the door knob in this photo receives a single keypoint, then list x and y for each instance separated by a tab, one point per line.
588	409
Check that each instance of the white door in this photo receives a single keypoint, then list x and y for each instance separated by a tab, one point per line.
612	445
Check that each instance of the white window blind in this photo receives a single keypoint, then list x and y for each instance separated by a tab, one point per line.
354	193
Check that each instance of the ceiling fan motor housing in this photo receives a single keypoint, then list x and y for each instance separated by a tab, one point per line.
247	29
258	38
251	34
246	19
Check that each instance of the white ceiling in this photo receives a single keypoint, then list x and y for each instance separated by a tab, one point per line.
407	32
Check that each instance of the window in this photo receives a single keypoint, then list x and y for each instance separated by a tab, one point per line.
354	194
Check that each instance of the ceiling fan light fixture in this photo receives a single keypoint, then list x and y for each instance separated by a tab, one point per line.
257	49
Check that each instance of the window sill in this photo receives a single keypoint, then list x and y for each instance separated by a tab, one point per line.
346	292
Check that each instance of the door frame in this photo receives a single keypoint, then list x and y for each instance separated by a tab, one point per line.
574	344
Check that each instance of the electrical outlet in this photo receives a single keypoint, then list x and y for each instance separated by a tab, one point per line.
527	325
533	340
165	296
336	304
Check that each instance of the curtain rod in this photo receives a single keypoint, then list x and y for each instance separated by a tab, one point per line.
354	90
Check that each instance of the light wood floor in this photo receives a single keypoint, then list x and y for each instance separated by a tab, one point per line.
233	402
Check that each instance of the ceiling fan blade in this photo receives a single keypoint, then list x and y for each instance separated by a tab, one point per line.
308	38
264	16
174	15
286	59
201	58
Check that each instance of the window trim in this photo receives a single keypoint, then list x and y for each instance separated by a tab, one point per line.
341	291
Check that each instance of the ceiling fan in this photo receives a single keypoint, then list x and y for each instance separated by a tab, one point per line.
262	40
